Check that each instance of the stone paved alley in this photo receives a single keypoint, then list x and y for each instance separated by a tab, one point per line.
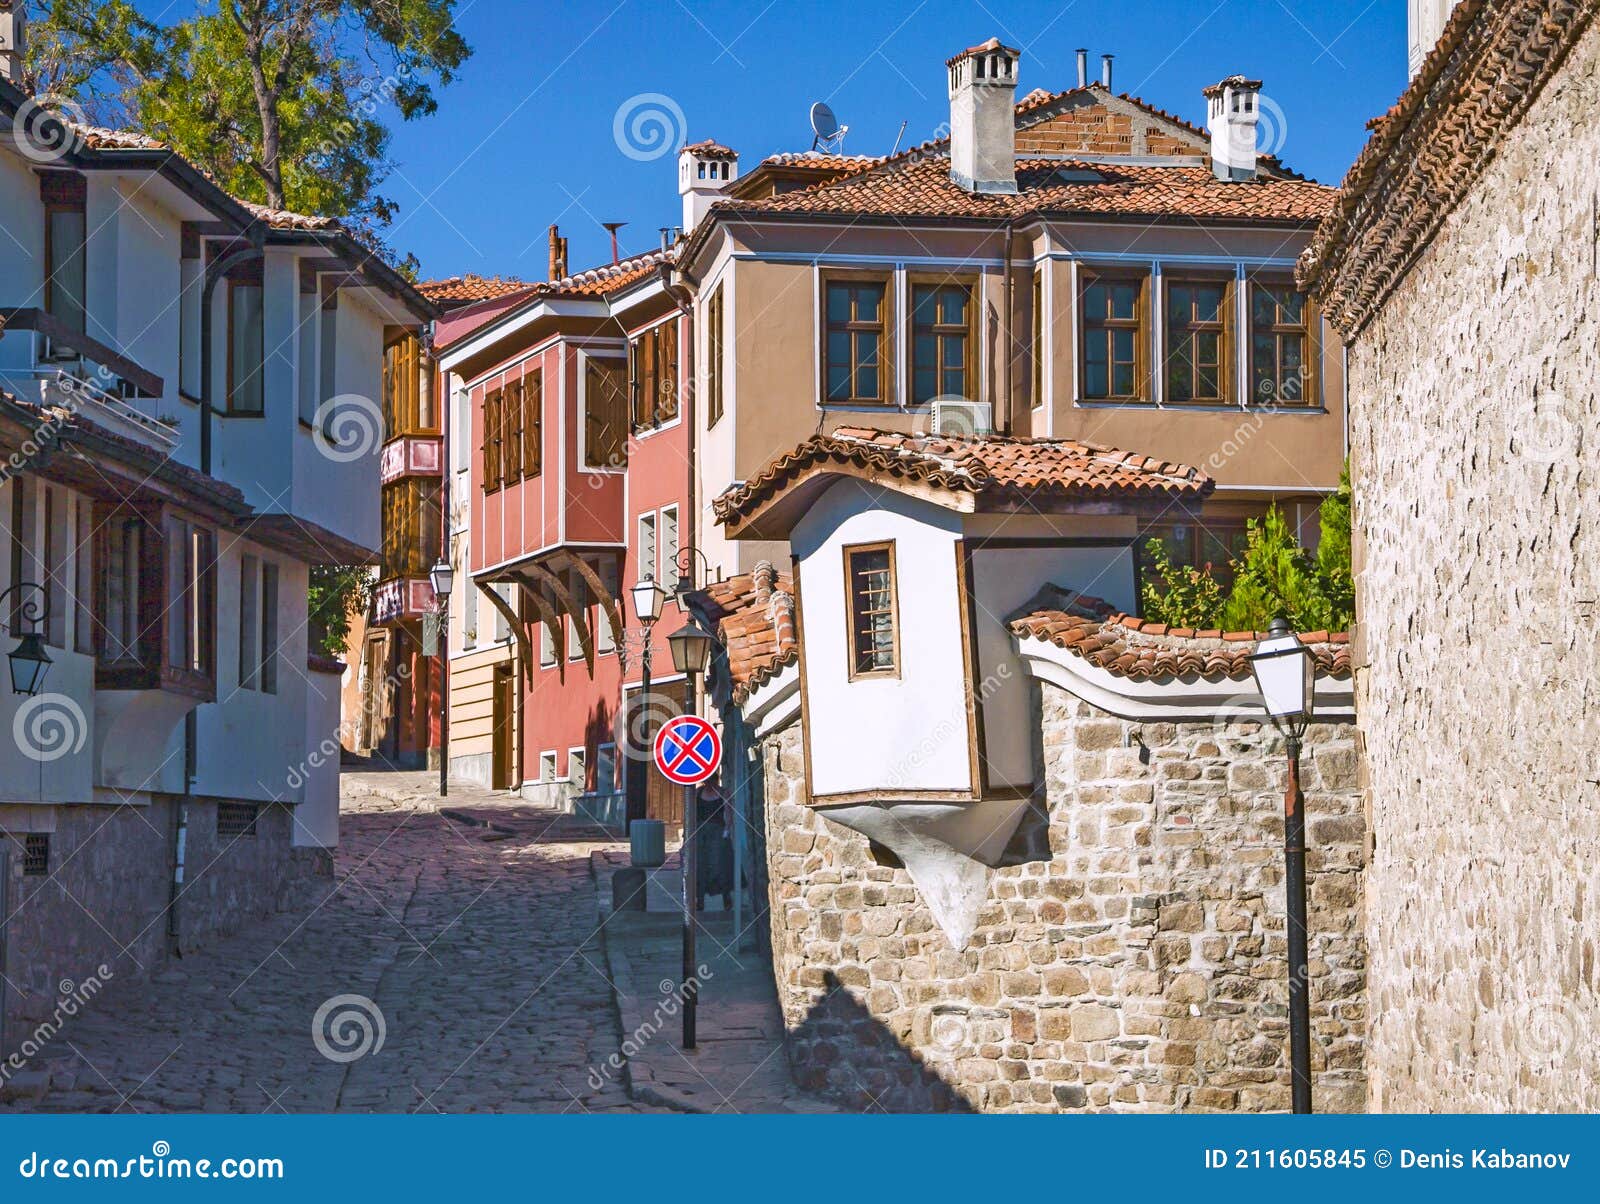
477	936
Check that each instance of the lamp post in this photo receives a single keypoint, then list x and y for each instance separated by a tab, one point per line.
442	577
647	600
691	652
1285	673
29	662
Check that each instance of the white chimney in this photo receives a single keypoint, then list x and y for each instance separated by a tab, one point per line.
983	129
1425	21
13	41
1232	110
705	169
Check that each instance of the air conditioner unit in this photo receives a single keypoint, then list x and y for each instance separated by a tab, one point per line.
958	416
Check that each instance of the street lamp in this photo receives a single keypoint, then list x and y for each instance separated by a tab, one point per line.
29	661
691	654
442	577
648	598
1285	673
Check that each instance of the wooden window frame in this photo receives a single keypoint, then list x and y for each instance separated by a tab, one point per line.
853	630
715	343
1140	325
1227	335
245	276
1311	348
79	207
1036	375
594	457
968	331
493	404
885	330
653	376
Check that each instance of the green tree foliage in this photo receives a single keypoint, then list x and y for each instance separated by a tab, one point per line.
283	101
1273	576
338	594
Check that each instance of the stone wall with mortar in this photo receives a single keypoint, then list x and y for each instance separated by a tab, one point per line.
1474	407
104	899
1133	958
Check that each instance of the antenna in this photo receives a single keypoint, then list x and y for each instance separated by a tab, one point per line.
897	138
829	134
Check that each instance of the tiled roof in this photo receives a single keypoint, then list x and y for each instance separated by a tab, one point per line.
821	160
287	219
981	48
1134	648
1085	187
711	149
99	138
606	279
465	290
1427	152
997	466
754	614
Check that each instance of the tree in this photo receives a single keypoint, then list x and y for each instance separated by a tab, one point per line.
337	594
281	100
1182	596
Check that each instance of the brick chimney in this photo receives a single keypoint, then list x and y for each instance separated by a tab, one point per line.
983	129
1232	110
13	41
558	254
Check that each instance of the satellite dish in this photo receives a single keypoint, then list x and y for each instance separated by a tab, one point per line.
823	123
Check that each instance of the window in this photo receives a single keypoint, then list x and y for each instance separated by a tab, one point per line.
191	284
65	196
605	768
574	631
36	854
236	821
1208	543
1039	348
714	342
874	638
492	408
1198	335
461	443
328	344
511	433
1281	363
308	321
653	375
605	431
547	646
605	639
469	617
121	593
407	409
249	620
246	340
269	628
855	352
576	769
413	531
647	547
532	416
191	613
547	767
941	330
83	578
502	628
669	546
1113	338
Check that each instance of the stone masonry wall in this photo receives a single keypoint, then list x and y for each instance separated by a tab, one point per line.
1134	960
104	900
1475	459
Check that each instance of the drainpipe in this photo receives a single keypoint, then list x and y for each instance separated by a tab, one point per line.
5	943
180	833
1007	338
214	274
681	298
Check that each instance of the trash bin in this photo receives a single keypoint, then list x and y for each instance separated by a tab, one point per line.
647	843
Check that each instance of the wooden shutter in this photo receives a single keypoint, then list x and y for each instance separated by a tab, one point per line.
511	445
532	417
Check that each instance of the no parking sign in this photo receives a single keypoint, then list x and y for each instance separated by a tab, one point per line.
688	750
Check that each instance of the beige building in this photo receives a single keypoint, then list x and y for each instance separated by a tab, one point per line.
1117	275
1462	266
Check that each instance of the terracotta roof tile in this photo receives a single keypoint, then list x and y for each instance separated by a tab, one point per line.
607	279
1427	152
754	616
452	291
1131	647
995	466
711	149
821	160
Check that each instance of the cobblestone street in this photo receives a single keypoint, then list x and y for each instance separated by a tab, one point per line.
476	936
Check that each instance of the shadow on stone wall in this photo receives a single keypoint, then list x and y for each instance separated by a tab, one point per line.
842	1050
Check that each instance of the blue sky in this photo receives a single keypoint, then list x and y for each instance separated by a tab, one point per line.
526	136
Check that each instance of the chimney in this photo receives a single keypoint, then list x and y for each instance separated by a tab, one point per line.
1105	70
612	228
983	129
1083	66
666	238
13	41
1232	109
705	169
558	254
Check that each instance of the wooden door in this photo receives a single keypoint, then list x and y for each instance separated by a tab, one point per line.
504	718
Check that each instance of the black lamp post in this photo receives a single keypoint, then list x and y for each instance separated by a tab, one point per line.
647	601
1285	673
691	653
29	661
443	578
